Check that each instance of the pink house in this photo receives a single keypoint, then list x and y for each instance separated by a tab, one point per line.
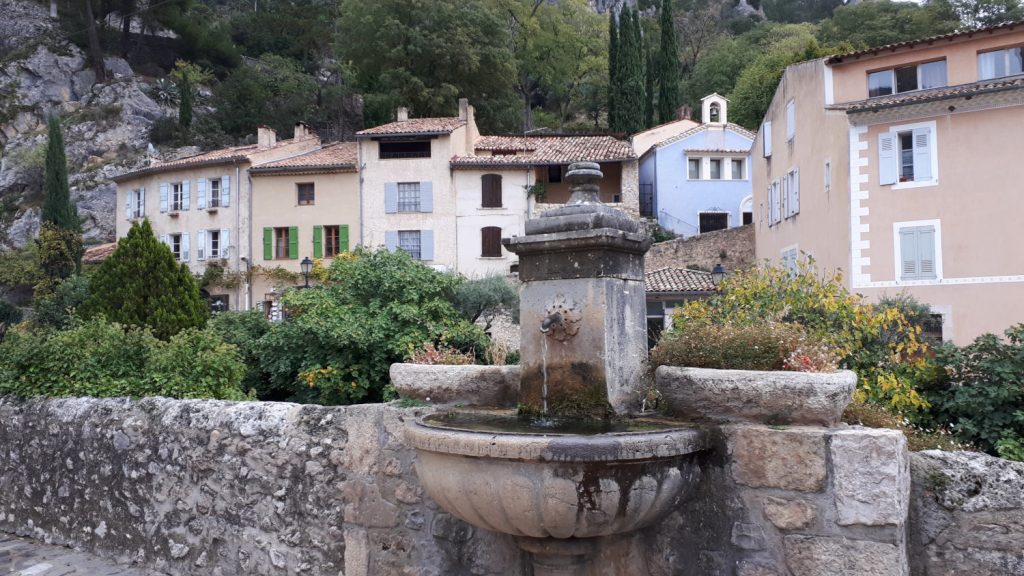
901	166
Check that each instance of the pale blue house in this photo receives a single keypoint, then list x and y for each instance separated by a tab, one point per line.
699	181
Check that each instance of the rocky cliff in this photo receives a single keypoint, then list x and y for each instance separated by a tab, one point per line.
106	125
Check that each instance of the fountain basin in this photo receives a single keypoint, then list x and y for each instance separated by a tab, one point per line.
548	484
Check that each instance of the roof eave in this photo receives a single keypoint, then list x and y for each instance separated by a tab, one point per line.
321	169
938	98
185	165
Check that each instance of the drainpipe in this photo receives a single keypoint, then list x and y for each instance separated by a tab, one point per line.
360	166
238	226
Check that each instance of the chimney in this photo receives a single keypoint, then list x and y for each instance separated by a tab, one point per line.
301	131
463	109
266	137
403	114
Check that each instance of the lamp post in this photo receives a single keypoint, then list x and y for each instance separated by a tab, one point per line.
717	273
307	266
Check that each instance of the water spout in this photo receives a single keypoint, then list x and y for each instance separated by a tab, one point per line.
550	321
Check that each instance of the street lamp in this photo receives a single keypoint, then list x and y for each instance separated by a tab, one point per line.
307	267
717	273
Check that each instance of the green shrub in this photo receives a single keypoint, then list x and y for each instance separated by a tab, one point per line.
760	346
446	355
100	358
58	309
244	330
980	391
9	313
1011	448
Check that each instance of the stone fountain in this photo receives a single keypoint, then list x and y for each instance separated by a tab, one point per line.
576	463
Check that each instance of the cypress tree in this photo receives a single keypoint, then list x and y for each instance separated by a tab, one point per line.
57	206
141	284
631	103
669	73
613	72
185	102
649	71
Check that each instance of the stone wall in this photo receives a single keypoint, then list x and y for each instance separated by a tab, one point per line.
733	247
967	514
229	488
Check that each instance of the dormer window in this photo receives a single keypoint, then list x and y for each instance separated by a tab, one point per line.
715	111
404	149
999	63
907	78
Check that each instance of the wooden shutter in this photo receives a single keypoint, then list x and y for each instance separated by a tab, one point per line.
268	243
343	238
225	243
887	165
426	196
426	244
201	192
163	196
225	191
766	135
390	197
491	186
490	239
922	154
293	242
318	245
201	245
186	194
391	240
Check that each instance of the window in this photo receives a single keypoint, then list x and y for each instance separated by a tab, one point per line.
177	197
214	193
694	168
404	149
711	221
282	243
999	63
716	168
409	241
408	196
490	196
490	237
828	177
748	218
791	188
219	302
212	244
906	155
907	78
554	174
789	260
332	241
766	138
790	121
737	168
178	243
774	203
917	252
305	192
655	322
213	239
135	204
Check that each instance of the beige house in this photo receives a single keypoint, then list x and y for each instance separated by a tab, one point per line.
305	206
200	206
437	189
894	165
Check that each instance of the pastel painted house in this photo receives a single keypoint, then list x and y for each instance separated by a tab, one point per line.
896	165
699	179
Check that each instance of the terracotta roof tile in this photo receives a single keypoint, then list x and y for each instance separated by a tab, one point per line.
720	150
340	156
697	129
943	93
547	150
99	253
221	156
415	126
678	280
838	58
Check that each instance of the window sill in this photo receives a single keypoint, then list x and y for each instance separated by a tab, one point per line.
914	184
212	210
491	207
173	213
492	258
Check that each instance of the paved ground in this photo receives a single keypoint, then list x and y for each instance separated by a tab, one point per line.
24	557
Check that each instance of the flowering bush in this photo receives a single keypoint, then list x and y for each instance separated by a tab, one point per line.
743	346
880	344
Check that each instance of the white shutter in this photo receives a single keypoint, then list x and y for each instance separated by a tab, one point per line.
201	192
201	245
166	239
163	196
186	195
908	254
796	192
225	243
225	191
771	206
142	201
766	134
128	204
887	166
784	196
922	154
184	246
926	252
790	120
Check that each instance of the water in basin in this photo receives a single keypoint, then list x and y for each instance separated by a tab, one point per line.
505	422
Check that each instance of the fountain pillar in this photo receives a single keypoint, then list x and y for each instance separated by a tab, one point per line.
583	308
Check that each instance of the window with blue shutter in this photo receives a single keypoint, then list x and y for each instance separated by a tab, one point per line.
426	244
426	196
766	135
887	158
225	191
164	196
917	253
201	193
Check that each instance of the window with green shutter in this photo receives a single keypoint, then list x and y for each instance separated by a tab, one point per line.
343	241
268	243
318	248
293	242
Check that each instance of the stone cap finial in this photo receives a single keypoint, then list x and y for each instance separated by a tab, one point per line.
583	180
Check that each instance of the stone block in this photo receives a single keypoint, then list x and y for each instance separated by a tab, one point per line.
747	536
788	459
357	551
471	385
751	569
837	556
871	476
365	506
789	514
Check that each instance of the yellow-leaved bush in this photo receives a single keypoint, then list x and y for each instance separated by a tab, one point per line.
880	344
